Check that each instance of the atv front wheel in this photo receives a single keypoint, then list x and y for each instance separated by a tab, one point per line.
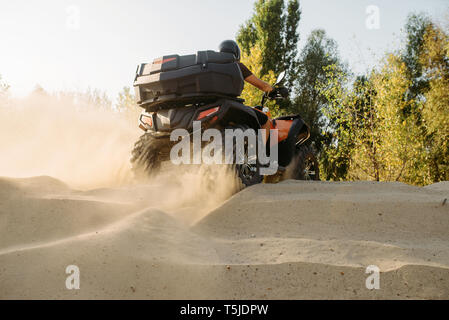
306	164
249	171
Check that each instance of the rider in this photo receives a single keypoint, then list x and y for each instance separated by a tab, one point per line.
231	46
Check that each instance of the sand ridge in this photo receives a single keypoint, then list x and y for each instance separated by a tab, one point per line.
285	241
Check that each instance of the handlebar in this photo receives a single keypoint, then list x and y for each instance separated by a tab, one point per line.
278	93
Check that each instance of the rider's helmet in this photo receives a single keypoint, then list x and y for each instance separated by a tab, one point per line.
230	46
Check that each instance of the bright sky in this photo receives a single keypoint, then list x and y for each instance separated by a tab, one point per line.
61	44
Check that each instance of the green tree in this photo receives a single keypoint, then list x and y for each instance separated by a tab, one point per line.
393	123
371	139
434	60
318	53
291	39
337	151
276	34
401	154
414	30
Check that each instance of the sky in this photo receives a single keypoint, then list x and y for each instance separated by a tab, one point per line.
80	44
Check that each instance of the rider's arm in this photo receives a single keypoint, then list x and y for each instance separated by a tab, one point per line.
262	85
252	79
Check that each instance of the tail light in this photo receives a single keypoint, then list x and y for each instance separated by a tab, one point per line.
208	112
146	122
162	60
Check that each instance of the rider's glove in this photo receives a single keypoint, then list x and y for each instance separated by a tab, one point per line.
279	92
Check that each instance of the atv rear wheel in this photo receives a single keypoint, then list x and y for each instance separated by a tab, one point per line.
147	155
307	167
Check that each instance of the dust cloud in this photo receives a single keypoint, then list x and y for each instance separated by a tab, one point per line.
67	138
88	147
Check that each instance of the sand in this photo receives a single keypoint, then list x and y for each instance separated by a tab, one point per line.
172	238
187	234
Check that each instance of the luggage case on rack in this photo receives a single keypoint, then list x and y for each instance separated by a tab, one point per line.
188	78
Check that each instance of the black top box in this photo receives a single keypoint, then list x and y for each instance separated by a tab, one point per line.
180	78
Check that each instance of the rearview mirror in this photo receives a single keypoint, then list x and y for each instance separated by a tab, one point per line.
280	77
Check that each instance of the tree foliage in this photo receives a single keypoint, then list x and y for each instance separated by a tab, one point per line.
414	30
318	53
434	59
383	126
274	29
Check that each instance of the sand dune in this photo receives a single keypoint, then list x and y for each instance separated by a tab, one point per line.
168	240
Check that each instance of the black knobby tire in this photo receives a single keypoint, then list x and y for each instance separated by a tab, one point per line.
307	167
149	152
147	155
249	174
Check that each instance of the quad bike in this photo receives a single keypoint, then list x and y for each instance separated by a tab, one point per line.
223	112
